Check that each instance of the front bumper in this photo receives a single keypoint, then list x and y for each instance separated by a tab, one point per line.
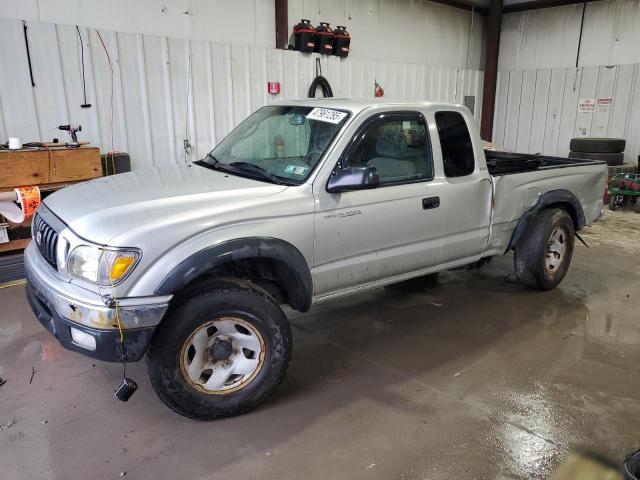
108	346
63	312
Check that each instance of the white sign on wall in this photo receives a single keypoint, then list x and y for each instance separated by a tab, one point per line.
587	105
604	104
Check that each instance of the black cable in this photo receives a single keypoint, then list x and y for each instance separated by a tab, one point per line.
324	85
321	82
26	43
84	83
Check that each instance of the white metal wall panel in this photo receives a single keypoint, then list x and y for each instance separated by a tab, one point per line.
47	73
249	22
606	85
513	110
554	111
16	94
588	87
160	111
525	112
415	32
572	81
500	110
549	38
539	114
537	110
168	90
202	112
134	95
633	120
622	93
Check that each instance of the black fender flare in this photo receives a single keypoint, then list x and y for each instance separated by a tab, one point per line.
562	198
296	275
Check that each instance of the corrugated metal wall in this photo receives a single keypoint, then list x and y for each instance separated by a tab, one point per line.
241	22
537	110
539	86
549	38
156	104
415	31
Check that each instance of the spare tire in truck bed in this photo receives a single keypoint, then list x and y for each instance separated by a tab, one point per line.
597	145
610	158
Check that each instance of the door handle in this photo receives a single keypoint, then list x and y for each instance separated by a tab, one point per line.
431	202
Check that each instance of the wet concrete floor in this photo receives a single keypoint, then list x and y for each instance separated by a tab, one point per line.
474	377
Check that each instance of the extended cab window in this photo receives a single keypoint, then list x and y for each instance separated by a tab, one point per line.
397	144
455	142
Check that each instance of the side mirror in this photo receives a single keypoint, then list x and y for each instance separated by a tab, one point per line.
353	178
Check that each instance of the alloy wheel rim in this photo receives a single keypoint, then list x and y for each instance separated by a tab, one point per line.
222	356
556	249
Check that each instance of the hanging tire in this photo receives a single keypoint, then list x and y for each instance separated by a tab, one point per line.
219	353
597	145
543	254
612	159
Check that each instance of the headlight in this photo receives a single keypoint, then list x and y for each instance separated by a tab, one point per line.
102	266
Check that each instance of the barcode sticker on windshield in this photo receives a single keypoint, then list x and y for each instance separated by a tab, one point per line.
326	115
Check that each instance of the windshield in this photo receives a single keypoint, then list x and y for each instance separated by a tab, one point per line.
281	144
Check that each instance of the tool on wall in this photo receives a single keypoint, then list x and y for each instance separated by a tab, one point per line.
341	41
303	38
84	83
72	129
324	39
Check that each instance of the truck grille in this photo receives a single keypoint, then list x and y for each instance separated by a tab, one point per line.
46	239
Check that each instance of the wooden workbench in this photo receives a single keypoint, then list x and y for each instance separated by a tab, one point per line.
48	168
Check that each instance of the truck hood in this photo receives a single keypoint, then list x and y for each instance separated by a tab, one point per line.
99	210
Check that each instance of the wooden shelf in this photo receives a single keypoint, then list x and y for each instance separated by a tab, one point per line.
18	244
50	169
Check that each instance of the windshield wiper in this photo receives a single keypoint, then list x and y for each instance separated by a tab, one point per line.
209	162
257	169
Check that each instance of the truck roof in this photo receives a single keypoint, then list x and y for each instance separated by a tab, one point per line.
358	105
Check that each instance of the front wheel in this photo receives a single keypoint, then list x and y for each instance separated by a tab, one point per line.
219	353
543	254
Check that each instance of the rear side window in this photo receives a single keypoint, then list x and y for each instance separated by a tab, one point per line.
455	141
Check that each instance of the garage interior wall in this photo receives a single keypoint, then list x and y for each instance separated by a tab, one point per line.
413	31
540	86
168	88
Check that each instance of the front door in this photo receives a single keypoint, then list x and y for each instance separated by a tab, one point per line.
397	228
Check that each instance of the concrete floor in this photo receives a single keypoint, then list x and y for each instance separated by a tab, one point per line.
475	377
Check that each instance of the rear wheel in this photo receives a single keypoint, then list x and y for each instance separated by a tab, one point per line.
219	353
612	201
543	254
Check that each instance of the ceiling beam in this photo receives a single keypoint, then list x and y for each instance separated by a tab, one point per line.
537	4
463	4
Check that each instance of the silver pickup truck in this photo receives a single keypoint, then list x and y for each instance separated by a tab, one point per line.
301	203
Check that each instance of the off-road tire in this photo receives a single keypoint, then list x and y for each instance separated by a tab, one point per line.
531	249
612	202
597	145
192	311
612	159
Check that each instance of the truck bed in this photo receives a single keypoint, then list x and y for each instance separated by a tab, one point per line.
506	163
